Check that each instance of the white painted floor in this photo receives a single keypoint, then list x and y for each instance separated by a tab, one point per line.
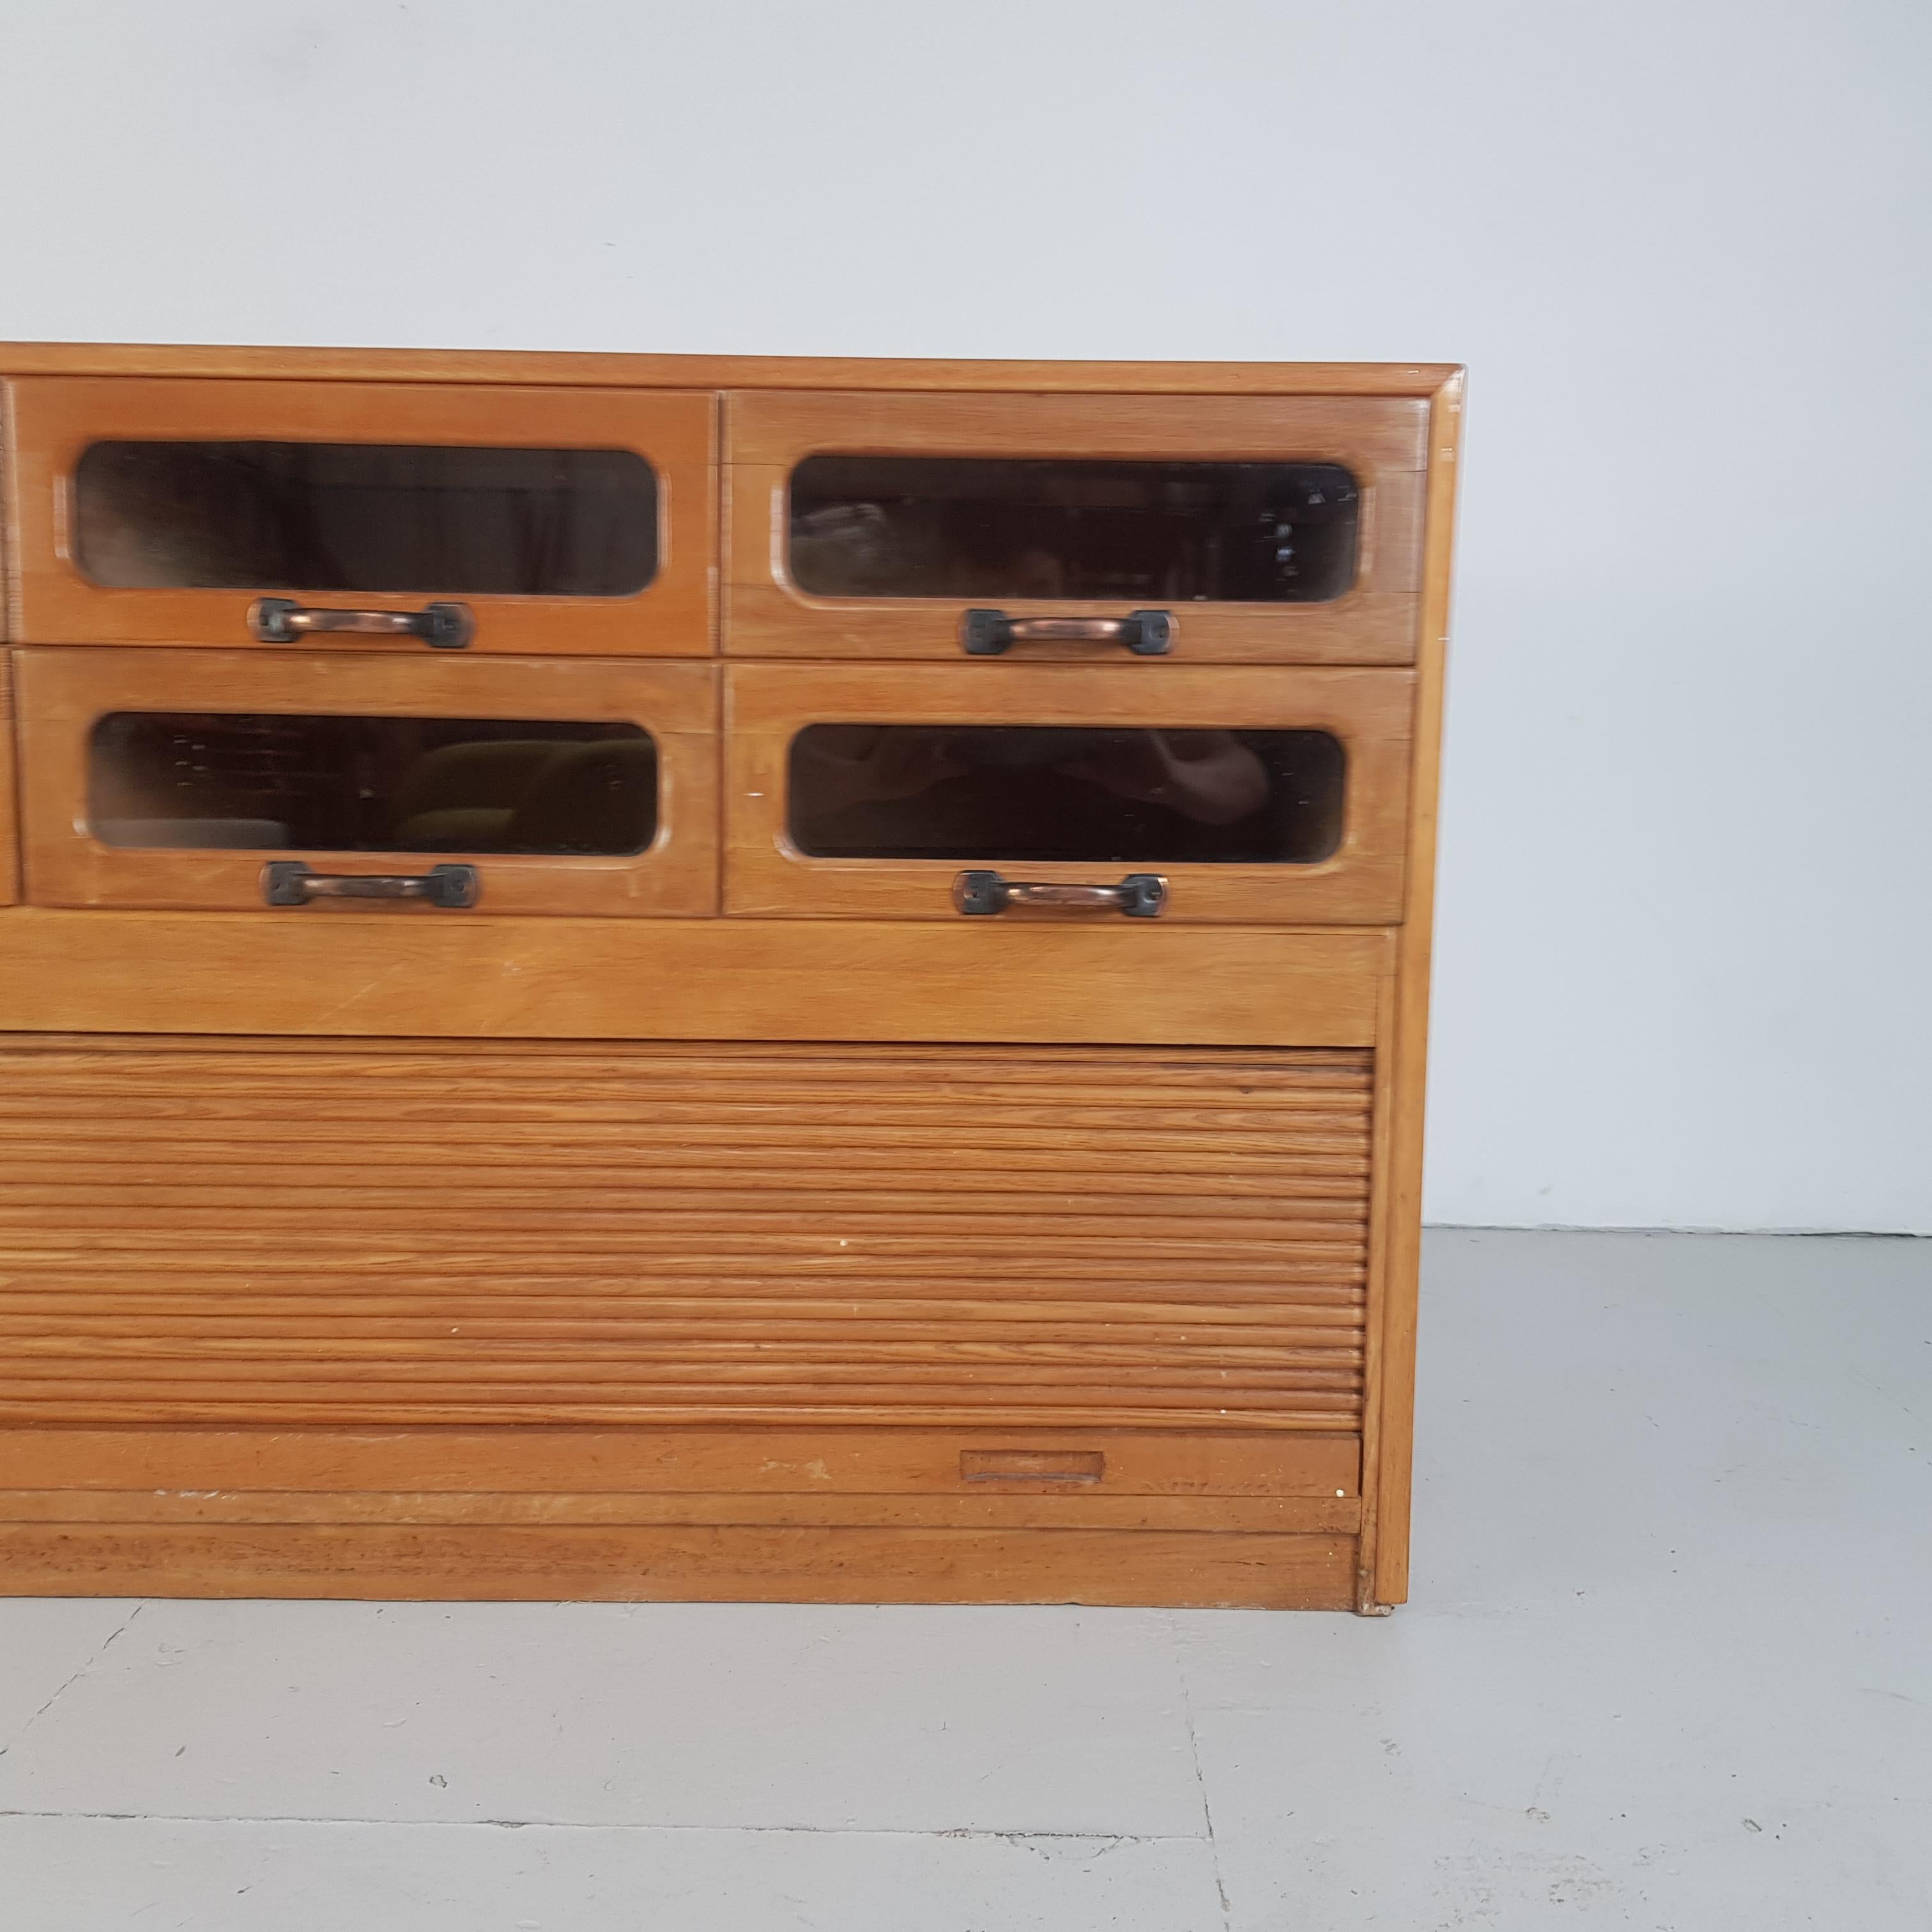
1669	1666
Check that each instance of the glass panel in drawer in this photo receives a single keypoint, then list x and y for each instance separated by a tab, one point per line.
1274	796
1213	529
195	780
367	516
1144	795
345	517
277	782
1041	530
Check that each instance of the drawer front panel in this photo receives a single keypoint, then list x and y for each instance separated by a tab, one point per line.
1275	796
576	521
1256	529
226	781
706	978
203	1232
531	1474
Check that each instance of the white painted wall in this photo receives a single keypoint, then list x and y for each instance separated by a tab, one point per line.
1683	245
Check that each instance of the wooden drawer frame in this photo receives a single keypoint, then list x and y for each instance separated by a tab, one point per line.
54	420
1381	439
1369	711
62	692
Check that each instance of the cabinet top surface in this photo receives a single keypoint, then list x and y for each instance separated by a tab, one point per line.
770	372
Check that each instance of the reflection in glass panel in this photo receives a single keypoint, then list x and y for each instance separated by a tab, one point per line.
1019	792
1148	533
351	517
268	782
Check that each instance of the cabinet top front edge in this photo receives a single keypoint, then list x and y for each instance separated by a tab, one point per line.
620	371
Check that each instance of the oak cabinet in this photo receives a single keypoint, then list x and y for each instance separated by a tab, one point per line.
632	977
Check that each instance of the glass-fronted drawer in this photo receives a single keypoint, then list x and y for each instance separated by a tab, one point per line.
236	780
372	515
1058	791
1214	529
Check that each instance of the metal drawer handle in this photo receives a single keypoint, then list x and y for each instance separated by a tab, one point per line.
987	633
287	882
280	620
1140	894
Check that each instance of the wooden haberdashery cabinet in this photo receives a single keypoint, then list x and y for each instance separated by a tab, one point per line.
636	976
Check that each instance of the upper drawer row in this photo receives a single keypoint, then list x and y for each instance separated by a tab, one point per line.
591	522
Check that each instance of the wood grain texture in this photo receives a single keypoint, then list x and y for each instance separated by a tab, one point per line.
54	420
6	511
633	1464
618	370
731	1564
1380	441
1391	1482
463	976
10	837
209	1232
1381	434
1041	1509
767	705
63	693
1374	1365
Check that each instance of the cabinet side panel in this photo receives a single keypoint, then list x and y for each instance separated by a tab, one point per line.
1392	1476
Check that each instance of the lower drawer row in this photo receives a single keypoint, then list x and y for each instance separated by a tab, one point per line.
601	1477
865	1516
228	781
